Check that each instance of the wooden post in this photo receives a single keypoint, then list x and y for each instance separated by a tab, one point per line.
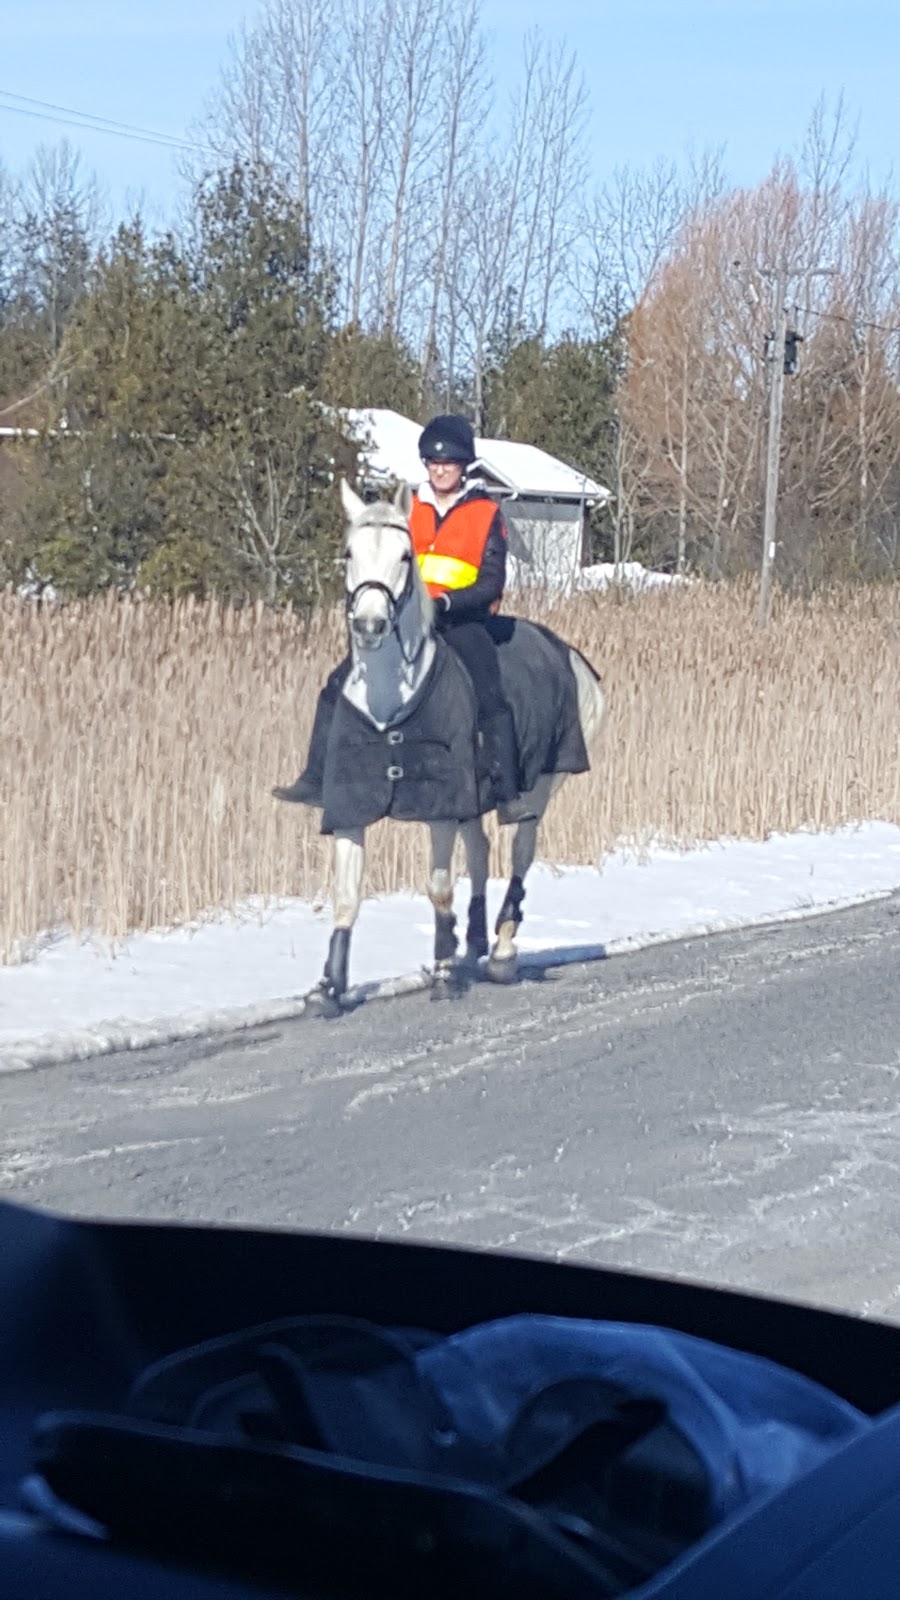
773	445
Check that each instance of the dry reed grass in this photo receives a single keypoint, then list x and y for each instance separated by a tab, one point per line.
138	744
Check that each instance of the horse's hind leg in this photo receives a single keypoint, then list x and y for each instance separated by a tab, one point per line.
349	861
504	957
440	893
477	853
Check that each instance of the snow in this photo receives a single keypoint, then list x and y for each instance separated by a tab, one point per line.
630	574
601	576
79	998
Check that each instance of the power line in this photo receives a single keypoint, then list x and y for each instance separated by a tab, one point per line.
90	119
48	111
839	316
120	133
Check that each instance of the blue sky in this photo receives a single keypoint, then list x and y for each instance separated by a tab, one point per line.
664	75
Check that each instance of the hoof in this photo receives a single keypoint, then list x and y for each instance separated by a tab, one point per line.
502	969
323	1002
446	982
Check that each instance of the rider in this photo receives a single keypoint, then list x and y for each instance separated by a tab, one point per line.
460	542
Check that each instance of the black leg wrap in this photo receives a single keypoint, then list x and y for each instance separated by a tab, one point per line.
444	936
476	930
335	979
511	909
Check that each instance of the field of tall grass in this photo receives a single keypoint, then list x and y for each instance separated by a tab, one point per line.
139	742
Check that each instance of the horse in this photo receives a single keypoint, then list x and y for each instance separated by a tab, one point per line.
394	655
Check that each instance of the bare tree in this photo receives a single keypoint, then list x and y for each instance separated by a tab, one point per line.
413	133
664	347
551	141
59	213
363	150
301	40
873	259
478	285
694	388
8	241
628	229
463	90
277	103
516	215
376	115
245	121
845	438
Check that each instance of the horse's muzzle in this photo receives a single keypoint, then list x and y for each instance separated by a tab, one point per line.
369	632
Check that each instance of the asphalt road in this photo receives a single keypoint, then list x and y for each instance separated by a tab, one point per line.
724	1108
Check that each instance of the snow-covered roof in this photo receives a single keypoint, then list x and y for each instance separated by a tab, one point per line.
526	470
391	451
390	444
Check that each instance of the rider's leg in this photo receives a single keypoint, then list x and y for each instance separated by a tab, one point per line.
308	787
474	645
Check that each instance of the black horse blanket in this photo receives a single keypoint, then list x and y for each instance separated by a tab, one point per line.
430	767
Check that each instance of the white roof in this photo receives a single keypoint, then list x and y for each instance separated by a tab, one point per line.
526	470
390	444
391	451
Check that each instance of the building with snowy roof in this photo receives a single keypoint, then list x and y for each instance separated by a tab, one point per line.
545	502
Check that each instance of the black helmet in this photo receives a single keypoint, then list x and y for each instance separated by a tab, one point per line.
448	439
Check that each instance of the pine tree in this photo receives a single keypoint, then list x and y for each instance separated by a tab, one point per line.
252	490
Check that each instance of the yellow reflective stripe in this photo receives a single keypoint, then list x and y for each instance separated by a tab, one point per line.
446	571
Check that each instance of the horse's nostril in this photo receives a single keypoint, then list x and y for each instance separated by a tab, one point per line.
370	628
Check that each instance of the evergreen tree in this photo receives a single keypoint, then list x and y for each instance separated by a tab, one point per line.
560	397
197	450
96	506
251	499
363	370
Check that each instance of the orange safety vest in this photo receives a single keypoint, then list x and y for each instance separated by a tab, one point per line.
450	552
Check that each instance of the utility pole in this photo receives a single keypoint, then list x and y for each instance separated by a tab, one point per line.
773	443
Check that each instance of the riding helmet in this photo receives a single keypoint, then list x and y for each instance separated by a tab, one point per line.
448	439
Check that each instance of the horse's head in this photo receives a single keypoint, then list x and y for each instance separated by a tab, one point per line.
381	573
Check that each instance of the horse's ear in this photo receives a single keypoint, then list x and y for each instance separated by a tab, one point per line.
403	500
351	501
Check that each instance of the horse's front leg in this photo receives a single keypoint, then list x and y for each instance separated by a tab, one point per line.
440	893
349	861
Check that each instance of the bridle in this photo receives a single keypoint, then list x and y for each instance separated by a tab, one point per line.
396	605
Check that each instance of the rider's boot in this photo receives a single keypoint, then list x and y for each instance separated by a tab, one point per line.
503	757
